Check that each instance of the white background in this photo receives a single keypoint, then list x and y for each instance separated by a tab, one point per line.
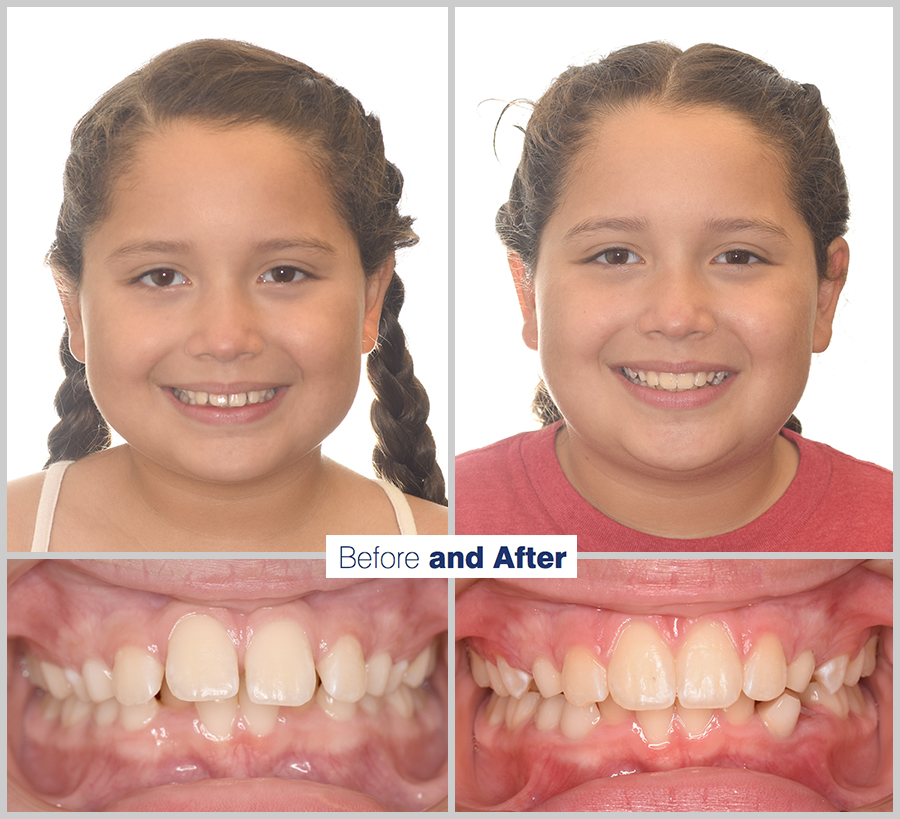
60	60
507	54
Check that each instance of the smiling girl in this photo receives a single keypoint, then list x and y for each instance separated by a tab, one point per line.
224	253
674	230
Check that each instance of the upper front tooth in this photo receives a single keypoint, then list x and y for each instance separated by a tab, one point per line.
800	671
831	673
765	671
516	681
279	666
583	678
708	668
668	381
343	670
420	667
136	677
378	671
641	673
547	679
684	381
238	399
202	662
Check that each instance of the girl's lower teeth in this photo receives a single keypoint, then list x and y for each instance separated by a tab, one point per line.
674	382
240	399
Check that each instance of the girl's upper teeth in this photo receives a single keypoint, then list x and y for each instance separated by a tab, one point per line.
235	399
674	382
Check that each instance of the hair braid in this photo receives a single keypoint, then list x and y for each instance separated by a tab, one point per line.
405	453
81	429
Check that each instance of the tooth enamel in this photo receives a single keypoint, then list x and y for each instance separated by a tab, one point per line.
656	724
641	673
378	671
253	397
547	679
583	678
134	717
495	711
106	712
402	701
522	710
668	381
831	673
817	694
343	670
516	681
97	680
765	670
856	700
167	698
695	720
549	713
136	677
50	708
652	378
397	672
218	716
218	400
237	399
496	679
418	668
74	711
78	688
577	721
278	665
854	668
708	668
202	664
700	380
871	658
336	709
684	381
612	712
259	719
371	705
780	715
642	375
800	671
32	667
740	712
479	670
199	398
56	681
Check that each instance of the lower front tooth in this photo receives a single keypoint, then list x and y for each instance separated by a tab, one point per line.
495	710
218	716
259	719
336	709
343	670
136	676
739	713
106	712
134	717
278	666
549	713
577	721
765	670
522	710
655	725
583	678
780	715
836	702
695	720
612	712
202	664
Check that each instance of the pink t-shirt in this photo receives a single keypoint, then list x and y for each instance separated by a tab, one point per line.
835	503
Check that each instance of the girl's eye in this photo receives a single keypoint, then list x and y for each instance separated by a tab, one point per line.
617	256
283	274
737	257
162	278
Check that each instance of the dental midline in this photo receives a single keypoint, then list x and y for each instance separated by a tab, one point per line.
674	382
196	398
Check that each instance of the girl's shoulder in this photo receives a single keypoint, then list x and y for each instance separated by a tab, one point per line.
22	498
431	518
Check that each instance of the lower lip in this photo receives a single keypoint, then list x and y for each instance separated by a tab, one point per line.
688	399
225	416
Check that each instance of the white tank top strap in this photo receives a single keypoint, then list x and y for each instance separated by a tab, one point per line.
47	505
405	520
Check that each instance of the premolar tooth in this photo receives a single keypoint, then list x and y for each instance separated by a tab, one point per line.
370	704
871	658
765	670
854	668
343	670
134	717
780	715
549	713
496	679
136	678
479	670
201	665
708	668
278	666
97	680
837	701
831	673
577	721
55	677
418	669
74	710
516	681
522	710
583	678
739	712
402	701
547	679
800	671
641	673
218	716
378	671
656	724
696	721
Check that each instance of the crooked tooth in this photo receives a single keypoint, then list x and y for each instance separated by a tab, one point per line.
50	707
871	658
696	721
577	721
136	678
765	670
517	682
583	678
218	400
201	665
854	669
835	701
56	681
134	717
780	715
343	670
253	397
378	672
656	725
740	712
641	673
800	671
547	679
496	679
97	680
708	668
549	713
831	673
521	710
218	716
339	710
278	666
479	670
419	668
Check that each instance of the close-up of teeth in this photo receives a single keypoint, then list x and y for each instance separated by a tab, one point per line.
674	382
197	398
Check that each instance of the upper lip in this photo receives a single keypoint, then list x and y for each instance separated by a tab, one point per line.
676	367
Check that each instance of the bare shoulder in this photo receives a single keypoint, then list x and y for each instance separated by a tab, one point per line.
431	518
22	498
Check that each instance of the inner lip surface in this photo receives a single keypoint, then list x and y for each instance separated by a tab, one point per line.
309	761
612	769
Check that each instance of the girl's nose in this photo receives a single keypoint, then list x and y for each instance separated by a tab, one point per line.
225	326
677	305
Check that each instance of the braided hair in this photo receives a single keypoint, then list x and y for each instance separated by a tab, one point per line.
231	83
789	114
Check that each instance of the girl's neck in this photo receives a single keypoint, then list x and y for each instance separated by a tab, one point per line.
693	507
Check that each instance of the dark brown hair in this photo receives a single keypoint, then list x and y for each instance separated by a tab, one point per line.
230	83
789	115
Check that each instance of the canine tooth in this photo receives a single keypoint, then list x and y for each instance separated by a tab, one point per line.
278	666
780	715
73	711
854	668
765	671
336	709
479	670
397	672
495	710
871	660
521	710
549	713
57	684
612	712
708	668
418	669
641	673
800	671
97	680
200	398
656	724
343	670
696	721
136	677
259	719
577	721
547	679
583	678
167	698
642	375
77	682
201	665
134	717
856	700
700	380
496	680
106	712
817	694
516	681
739	712
831	673
668	381
253	397
218	716
378	671
402	701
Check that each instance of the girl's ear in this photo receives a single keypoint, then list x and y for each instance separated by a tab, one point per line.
72	309
525	292
830	287
376	287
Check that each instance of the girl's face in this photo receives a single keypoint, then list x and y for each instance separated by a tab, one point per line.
223	269
674	256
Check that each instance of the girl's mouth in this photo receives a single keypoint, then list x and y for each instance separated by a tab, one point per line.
568	702
196	398
674	382
225	695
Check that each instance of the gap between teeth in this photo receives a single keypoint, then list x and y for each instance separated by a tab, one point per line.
674	382
197	398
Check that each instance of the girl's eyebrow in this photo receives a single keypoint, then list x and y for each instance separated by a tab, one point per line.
620	225
177	247
639	224
759	225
